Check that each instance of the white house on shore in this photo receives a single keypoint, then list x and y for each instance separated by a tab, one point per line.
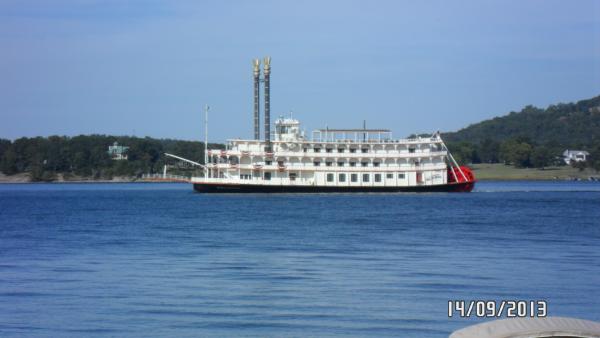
117	152
571	156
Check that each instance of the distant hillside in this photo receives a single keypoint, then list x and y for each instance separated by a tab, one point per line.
533	137
568	125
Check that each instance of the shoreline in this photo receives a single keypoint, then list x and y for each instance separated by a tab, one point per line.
483	172
79	182
502	172
24	178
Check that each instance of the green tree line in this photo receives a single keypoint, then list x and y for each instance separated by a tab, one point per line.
574	125
87	155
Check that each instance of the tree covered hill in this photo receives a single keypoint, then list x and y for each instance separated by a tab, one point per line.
533	137
568	125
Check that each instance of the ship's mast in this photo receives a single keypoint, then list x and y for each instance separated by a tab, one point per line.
206	109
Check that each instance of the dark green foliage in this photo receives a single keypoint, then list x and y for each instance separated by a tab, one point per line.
532	137
594	160
541	157
8	157
579	165
464	152
489	151
87	155
516	152
568	124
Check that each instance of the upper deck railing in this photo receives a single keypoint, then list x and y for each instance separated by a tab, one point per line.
419	140
311	153
351	135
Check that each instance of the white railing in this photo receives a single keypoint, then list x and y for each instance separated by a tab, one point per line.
324	167
378	154
254	180
163	177
254	143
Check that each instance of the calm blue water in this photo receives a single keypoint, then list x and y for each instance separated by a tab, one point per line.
160	260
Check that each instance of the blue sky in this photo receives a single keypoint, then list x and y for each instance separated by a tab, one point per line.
148	67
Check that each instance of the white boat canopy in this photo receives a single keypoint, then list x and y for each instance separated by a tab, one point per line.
532	328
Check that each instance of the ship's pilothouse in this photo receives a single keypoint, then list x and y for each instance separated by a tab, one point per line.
288	130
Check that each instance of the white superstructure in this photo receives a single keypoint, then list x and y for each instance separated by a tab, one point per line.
332	157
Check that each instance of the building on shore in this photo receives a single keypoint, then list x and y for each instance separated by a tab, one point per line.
118	152
570	156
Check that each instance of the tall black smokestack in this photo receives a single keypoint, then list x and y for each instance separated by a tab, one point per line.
256	63
267	69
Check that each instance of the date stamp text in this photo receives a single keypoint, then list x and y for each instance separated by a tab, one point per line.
497	308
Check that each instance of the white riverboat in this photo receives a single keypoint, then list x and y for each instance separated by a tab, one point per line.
332	160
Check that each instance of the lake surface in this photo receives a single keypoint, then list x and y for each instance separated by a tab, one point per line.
159	260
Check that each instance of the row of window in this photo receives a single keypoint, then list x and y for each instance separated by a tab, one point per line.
353	164
352	150
365	177
341	164
330	164
341	177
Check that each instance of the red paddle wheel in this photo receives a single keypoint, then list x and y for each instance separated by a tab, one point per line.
462	177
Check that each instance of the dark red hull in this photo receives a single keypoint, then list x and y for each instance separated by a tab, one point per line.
257	188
